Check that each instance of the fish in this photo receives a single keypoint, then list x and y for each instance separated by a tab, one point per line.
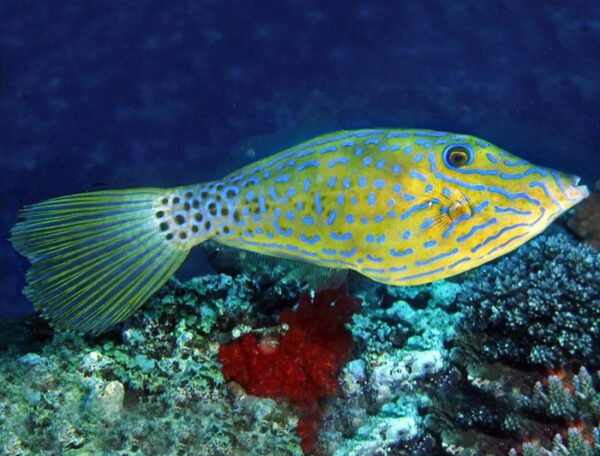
399	206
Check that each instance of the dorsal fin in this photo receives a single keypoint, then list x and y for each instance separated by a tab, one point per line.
253	149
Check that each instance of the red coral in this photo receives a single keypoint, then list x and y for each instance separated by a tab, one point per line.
304	364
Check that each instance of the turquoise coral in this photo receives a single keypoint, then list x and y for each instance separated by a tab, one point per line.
159	391
155	384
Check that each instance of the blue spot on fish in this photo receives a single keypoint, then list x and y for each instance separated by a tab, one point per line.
338	161
261	204
307	183
328	149
281	231
491	158
308	164
305	154
331	218
402	253
317	200
427	223
313	240
417	175
349	253
371	199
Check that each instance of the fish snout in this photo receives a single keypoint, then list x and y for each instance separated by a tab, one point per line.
570	189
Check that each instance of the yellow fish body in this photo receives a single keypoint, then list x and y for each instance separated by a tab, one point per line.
403	207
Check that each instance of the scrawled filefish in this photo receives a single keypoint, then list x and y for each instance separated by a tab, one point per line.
402	207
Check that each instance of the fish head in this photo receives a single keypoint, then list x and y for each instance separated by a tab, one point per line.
487	201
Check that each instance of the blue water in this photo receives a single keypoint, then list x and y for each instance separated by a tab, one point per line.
153	93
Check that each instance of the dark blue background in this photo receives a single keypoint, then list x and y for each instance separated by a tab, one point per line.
116	94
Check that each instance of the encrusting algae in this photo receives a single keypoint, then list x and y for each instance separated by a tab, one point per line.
402	207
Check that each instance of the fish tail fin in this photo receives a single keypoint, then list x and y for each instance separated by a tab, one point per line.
97	257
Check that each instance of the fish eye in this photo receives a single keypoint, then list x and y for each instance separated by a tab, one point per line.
458	155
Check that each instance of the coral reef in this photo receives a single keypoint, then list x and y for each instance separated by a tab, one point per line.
497	409
585	221
492	363
154	388
303	364
400	336
540	305
516	382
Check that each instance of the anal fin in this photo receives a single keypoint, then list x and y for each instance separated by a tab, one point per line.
232	259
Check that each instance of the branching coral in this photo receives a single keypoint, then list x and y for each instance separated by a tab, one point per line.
301	366
540	305
530	321
497	409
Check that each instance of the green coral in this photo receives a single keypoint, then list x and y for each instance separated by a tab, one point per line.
153	388
575	445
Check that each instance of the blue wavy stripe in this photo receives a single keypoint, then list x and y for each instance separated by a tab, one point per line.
313	240
435	258
506	229
462	260
476	228
418	276
513	196
341	237
310	163
504	244
512	210
403	253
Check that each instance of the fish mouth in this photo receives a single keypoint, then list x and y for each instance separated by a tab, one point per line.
581	191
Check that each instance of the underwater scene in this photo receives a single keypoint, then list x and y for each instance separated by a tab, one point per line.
300	228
